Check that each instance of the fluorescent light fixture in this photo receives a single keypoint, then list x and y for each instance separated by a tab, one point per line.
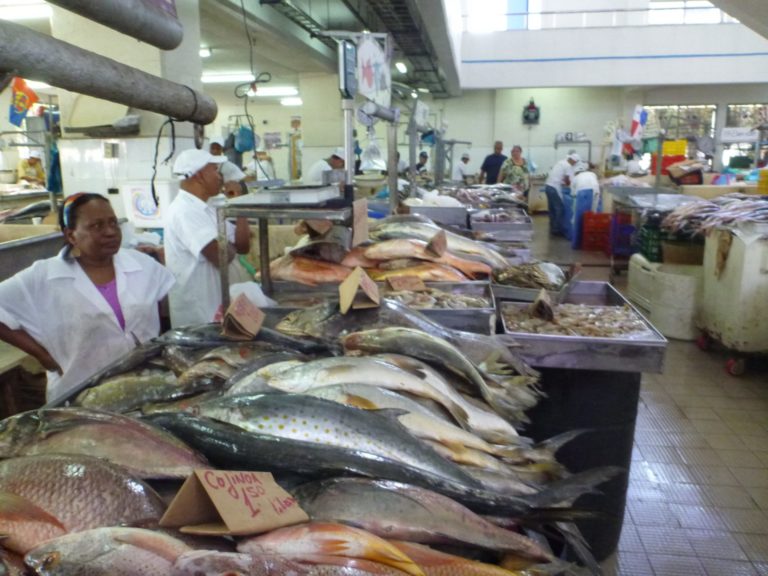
423	90
35	85
24	10
205	52
274	91
401	67
414	94
213	78
292	101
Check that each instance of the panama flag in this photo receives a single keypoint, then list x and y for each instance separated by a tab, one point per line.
639	118
22	99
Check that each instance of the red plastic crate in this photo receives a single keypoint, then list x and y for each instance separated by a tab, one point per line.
596	232
666	162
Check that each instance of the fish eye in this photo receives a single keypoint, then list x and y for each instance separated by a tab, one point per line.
51	560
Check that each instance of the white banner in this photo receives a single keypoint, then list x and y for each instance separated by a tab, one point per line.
735	134
374	78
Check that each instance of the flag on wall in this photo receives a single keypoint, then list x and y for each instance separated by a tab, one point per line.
22	99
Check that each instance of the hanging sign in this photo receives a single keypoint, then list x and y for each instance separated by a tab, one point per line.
374	78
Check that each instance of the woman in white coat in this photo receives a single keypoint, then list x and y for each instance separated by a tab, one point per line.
81	310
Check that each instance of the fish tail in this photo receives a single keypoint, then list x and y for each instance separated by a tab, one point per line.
565	491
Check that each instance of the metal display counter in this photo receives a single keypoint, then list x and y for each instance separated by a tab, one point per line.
23	244
594	385
263	213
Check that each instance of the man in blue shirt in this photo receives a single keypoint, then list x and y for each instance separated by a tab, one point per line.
489	171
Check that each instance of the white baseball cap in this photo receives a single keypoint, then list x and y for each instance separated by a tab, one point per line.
190	162
575	157
465	155
219	141
339	153
36	154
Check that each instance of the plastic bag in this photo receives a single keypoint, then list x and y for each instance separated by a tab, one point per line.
244	140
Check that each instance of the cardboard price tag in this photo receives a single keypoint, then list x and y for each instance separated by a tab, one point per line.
319	227
410	283
242	320
359	222
358	291
218	502
438	244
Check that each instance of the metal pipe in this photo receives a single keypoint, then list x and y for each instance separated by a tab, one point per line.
141	19
40	57
348	110
394	199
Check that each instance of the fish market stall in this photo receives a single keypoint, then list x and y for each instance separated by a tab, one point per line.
23	244
591	383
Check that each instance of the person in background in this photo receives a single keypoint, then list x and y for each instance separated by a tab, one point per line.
334	162
585	178
421	166
30	170
79	311
191	244
559	176
514	172
461	170
489	171
233	177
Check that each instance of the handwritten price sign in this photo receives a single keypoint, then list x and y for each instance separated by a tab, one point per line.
227	502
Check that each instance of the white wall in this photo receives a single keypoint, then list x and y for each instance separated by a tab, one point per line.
649	55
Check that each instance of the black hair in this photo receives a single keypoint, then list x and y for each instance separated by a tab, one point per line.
68	211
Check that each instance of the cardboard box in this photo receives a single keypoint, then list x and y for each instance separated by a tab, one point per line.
682	253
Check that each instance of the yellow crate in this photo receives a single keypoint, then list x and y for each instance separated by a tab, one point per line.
674	147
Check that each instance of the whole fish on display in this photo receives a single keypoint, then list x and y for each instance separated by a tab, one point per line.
81	492
108	551
143	450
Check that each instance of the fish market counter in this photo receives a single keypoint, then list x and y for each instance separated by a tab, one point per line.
592	384
23	244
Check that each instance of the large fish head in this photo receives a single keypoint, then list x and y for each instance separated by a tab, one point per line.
45	561
302	322
17	431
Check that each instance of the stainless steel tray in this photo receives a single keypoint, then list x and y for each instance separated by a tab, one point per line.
584	353
522	222
478	320
520	294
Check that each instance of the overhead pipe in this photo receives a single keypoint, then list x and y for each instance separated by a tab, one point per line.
141	19
40	57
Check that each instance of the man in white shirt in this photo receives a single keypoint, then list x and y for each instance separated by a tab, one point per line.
334	162
586	179
234	178
190	239
558	177
461	170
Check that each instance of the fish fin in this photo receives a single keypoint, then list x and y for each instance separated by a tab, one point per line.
14	507
150	542
553	444
359	402
566	490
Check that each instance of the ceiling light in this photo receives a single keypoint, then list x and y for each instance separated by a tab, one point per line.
35	85
212	78
274	91
205	52
21	10
423	90
292	101
414	94
401	67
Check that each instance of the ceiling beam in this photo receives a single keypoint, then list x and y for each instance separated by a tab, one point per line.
751	13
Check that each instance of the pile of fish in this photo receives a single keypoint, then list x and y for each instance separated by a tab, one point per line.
488	196
532	275
393	433
400	246
697	218
498	215
576	320
435	298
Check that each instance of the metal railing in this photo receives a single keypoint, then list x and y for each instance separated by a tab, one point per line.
595	18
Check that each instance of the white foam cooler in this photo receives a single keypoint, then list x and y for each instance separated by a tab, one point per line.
671	294
735	303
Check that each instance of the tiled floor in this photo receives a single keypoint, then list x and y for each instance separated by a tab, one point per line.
698	496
